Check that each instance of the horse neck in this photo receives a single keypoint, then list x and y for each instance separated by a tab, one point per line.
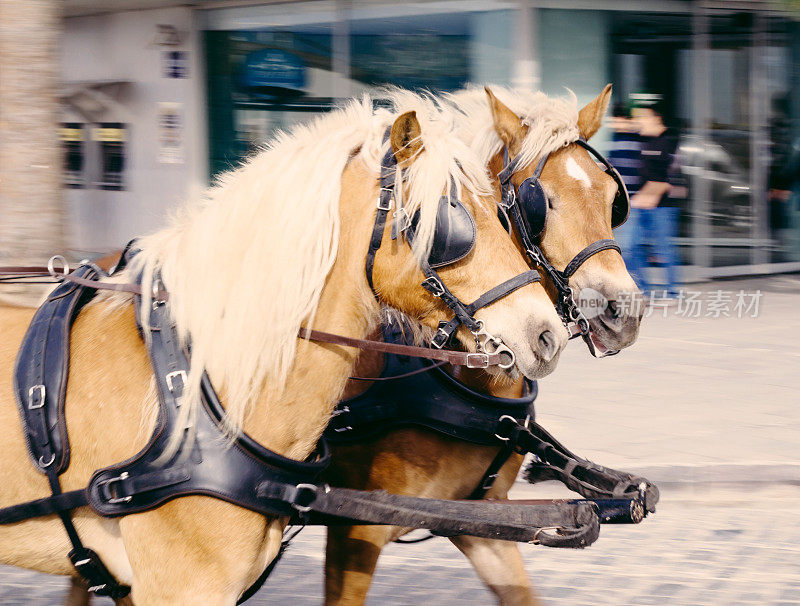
292	422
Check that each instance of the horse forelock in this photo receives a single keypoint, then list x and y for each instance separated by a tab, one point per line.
445	158
246	263
552	122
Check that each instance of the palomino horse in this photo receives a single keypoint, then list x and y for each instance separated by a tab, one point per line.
277	244
420	462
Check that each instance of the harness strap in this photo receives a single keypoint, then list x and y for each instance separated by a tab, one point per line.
55	504
504	289
447	329
586	253
383	207
489	477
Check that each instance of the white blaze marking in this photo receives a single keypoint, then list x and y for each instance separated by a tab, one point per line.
576	172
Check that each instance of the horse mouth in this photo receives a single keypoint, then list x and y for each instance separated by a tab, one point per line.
597	347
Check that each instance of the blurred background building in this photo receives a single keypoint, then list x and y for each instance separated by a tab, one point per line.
159	96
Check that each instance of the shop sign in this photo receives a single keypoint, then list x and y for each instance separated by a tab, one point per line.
272	68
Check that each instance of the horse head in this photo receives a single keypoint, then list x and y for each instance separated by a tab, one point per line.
442	187
580	200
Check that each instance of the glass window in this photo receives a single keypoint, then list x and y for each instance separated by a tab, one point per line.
271	66
441	52
267	68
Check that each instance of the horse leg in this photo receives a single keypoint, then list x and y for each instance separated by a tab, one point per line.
196	550
350	558
78	593
499	565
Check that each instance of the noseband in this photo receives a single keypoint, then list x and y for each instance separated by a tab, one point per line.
444	252
530	226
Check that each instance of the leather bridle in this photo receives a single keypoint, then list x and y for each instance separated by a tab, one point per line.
463	313
575	322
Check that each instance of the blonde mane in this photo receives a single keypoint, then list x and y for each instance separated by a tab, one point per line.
245	264
552	122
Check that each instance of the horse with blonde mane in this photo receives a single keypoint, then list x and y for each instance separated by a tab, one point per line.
418	461
276	245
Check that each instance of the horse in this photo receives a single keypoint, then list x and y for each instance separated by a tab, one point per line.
418	461
275	245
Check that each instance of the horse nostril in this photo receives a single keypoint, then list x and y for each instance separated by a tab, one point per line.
547	345
612	310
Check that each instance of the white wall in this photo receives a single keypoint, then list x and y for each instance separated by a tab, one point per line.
122	47
573	51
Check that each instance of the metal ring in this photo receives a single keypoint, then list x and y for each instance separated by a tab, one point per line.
43	465
52	268
500	420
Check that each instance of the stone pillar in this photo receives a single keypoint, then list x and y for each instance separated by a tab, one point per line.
31	212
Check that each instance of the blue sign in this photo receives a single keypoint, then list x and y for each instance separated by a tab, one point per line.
272	68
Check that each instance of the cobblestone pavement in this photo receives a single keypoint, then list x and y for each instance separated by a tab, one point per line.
722	547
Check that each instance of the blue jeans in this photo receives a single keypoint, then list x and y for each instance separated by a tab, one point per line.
654	228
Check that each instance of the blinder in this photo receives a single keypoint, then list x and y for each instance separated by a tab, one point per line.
454	237
526	207
533	200
455	231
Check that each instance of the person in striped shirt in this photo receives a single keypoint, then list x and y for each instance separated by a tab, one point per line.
625	154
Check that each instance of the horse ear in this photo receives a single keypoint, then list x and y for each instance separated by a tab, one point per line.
405	138
590	118
507	124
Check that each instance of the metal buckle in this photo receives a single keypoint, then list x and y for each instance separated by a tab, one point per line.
106	483
440	339
477	360
433	286
512	197
312	488
340	411
156	289
31	392
381	206
535	256
170	376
